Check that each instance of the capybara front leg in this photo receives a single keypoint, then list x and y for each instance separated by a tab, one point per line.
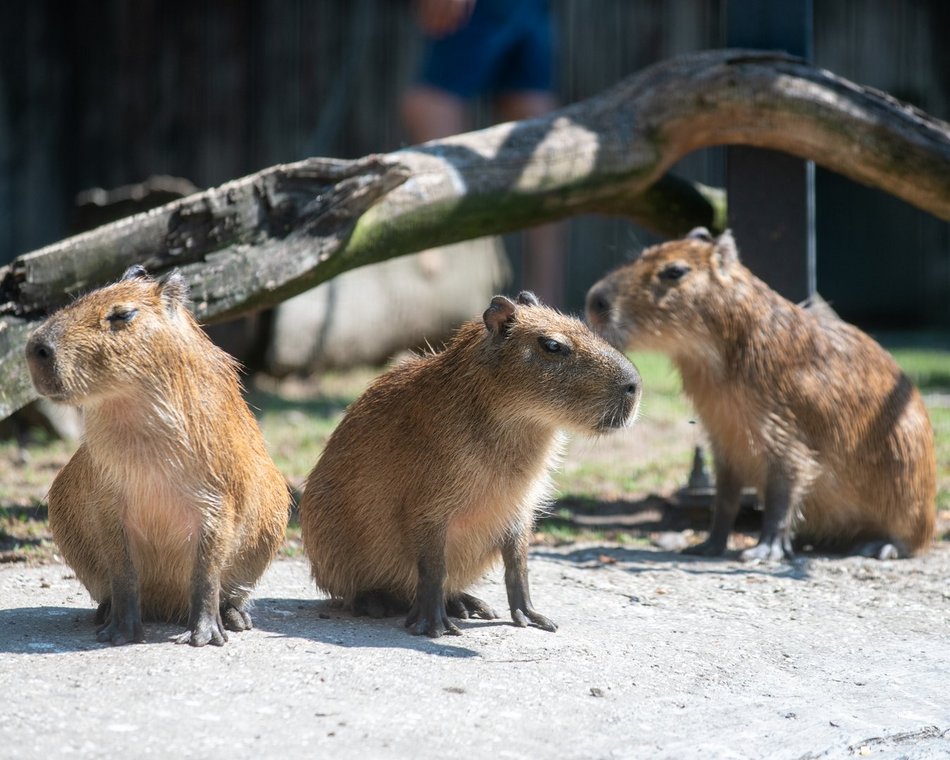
205	625
514	552
428	614
122	621
775	541
725	511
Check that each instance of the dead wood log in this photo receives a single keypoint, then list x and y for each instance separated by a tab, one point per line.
258	240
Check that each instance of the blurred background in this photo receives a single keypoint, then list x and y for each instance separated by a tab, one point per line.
108	93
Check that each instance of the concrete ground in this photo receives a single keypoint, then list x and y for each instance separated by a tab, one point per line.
657	656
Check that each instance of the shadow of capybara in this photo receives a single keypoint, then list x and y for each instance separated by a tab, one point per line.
806	407
171	508
445	460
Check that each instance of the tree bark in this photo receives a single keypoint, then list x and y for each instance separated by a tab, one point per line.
259	240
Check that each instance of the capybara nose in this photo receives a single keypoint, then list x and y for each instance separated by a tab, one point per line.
598	304
39	350
631	382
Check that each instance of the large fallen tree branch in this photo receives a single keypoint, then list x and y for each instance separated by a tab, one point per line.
259	240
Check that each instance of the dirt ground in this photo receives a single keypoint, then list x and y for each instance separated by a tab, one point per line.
658	656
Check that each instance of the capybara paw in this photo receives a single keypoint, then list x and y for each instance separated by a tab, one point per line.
432	624
521	618
464	606
880	550
888	551
707	548
235	618
207	630
124	632
768	551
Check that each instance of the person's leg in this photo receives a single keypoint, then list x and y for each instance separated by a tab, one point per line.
514	106
429	113
544	260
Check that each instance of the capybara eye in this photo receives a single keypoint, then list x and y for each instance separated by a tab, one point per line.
673	272
552	346
121	315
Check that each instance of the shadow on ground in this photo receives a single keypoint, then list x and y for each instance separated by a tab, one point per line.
47	630
321	621
635	561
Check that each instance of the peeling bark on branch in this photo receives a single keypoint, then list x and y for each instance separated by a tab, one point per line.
262	229
259	240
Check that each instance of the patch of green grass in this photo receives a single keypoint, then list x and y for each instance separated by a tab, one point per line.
557	531
297	418
663	397
929	368
940	419
26	475
593	480
24	533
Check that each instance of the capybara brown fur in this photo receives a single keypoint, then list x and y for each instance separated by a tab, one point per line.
444	461
171	508
806	407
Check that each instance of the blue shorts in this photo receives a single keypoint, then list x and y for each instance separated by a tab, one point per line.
506	46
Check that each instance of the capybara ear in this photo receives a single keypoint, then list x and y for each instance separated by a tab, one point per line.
499	316
725	253
173	290
527	298
135	272
700	233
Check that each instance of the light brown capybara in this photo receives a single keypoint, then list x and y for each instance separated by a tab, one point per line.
443	463
807	408
171	508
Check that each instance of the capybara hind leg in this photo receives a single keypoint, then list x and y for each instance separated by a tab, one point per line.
466	606
725	510
775	541
514	552
428	614
377	603
235	617
881	549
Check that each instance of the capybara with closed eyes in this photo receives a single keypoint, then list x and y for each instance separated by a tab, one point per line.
171	508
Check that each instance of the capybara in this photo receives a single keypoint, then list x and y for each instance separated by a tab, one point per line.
806	407
445	460
171	508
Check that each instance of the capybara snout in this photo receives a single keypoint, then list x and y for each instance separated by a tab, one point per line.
553	362
41	360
